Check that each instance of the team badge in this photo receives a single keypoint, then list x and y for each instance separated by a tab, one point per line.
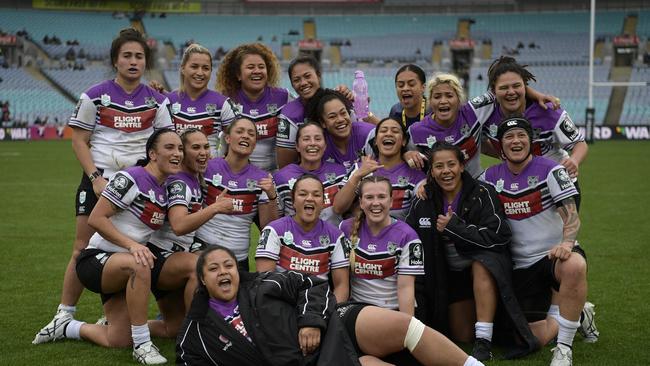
415	255
210	108
287	237
82	197
569	128
291	182
272	108
465	129
152	195
251	184
283	126
254	112
477	100
499	186
176	107
431	140
324	240
532	180
175	188
216	179
392	248
331	177
402	181
106	100
449	139
493	130
237	108
150	102
120	182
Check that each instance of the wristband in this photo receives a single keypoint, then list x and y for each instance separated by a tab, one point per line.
94	175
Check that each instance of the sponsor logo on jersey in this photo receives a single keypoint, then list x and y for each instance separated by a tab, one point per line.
424	222
480	101
82	197
119	185
324	240
76	109
431	140
569	128
532	180
237	108
153	215
232	183
216	180
105	100
306	243
345	243
283	129
102	258
272	108
450	139
176	107
254	112
264	238
238	205
211	109
176	190
563	179
372	247
514	186
127	122
415	255
191	110
374	268
150	102
519	208
128	103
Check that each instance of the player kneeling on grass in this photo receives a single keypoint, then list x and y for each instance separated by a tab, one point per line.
241	319
117	264
549	269
467	268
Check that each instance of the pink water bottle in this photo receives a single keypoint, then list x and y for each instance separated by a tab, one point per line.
360	90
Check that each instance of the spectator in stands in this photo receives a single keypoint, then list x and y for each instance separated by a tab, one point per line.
250	74
102	151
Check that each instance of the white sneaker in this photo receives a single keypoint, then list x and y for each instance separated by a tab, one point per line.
55	329
588	324
562	356
102	321
148	354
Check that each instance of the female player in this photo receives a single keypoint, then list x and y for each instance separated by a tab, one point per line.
305	75
310	144
346	141
251	189
117	263
173	277
193	105
467	264
249	75
557	134
236	314
386	253
305	243
409	86
389	146
109	129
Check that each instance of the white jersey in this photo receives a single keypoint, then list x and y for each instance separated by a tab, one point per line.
232	230
184	190
120	123
529	200
141	202
315	252
378	260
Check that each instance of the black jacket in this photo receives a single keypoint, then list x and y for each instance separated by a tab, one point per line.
479	231
273	306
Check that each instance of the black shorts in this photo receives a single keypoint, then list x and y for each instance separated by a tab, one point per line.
460	285
90	266
158	263
533	286
86	199
348	313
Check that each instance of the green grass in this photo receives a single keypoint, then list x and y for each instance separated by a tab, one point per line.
37	185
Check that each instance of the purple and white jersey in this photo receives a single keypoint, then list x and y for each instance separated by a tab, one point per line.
405	181
330	174
182	189
378	260
464	132
316	252
232	230
529	200
359	145
142	206
120	122
553	131
292	116
264	112
209	113
229	311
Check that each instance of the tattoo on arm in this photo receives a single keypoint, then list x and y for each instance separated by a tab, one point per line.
569	214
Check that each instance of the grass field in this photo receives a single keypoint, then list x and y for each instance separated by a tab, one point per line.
37	185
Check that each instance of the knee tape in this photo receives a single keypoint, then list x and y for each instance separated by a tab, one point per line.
413	334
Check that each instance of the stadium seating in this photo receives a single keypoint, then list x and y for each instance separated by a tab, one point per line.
636	109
